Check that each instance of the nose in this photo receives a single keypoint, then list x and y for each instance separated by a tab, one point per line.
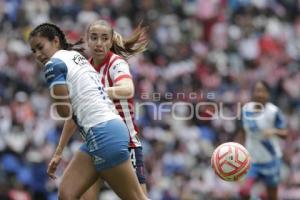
99	43
38	55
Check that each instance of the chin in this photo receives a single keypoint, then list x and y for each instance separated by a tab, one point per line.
99	55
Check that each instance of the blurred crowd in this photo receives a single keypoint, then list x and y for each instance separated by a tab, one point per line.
201	53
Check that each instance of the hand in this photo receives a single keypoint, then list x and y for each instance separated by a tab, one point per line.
269	133
53	165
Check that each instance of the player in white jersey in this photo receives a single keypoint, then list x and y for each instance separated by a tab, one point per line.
108	52
77	92
263	126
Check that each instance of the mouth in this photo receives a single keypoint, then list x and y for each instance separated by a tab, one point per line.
99	50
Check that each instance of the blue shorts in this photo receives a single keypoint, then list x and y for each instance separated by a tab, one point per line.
107	144
137	161
269	172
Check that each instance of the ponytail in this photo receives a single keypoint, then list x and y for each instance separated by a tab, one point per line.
135	44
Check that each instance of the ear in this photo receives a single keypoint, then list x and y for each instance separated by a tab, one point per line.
56	42
111	40
111	44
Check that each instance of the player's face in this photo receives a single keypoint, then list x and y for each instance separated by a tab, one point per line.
260	93
99	40
42	48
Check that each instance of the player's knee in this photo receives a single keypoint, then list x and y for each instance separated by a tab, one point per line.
136	195
66	194
139	195
89	196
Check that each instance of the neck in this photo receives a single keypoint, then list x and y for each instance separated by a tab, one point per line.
97	61
258	107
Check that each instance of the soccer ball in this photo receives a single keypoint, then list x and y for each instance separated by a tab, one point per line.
230	161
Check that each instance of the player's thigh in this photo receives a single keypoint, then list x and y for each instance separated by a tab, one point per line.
271	174
79	175
144	188
124	182
271	182
272	193
249	181
93	192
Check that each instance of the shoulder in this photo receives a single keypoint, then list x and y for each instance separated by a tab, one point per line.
117	60
55	71
271	107
54	64
272	110
118	66
248	106
68	55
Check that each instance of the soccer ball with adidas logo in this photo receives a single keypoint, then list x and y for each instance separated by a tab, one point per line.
230	161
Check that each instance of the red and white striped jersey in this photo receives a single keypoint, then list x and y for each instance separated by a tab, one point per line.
111	70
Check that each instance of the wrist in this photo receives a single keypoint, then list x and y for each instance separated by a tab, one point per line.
58	151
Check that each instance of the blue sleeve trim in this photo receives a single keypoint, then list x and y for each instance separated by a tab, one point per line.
55	72
269	147
279	121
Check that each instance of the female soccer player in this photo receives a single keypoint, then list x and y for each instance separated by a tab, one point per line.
263	125
77	92
109	51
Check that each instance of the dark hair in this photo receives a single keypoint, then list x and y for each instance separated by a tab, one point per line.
264	83
136	43
49	31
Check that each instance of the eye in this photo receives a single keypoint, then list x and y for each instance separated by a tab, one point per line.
93	37
40	47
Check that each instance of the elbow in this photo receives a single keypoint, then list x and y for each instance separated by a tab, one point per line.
284	133
129	93
64	111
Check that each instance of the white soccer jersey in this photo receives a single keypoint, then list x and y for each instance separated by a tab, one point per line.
113	69
262	150
90	102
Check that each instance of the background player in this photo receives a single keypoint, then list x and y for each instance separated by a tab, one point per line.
74	82
263	125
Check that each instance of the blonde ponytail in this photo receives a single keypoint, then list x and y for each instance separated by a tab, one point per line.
118	40
135	44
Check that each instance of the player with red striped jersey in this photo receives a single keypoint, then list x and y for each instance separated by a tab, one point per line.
109	52
113	73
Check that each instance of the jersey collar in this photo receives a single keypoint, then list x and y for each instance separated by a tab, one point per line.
104	62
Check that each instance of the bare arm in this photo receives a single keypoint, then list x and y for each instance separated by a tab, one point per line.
282	133
241	136
68	130
60	95
123	89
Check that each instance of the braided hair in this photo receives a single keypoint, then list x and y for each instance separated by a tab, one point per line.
49	31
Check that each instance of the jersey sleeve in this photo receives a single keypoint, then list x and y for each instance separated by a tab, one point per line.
280	122
55	72
242	117
119	70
